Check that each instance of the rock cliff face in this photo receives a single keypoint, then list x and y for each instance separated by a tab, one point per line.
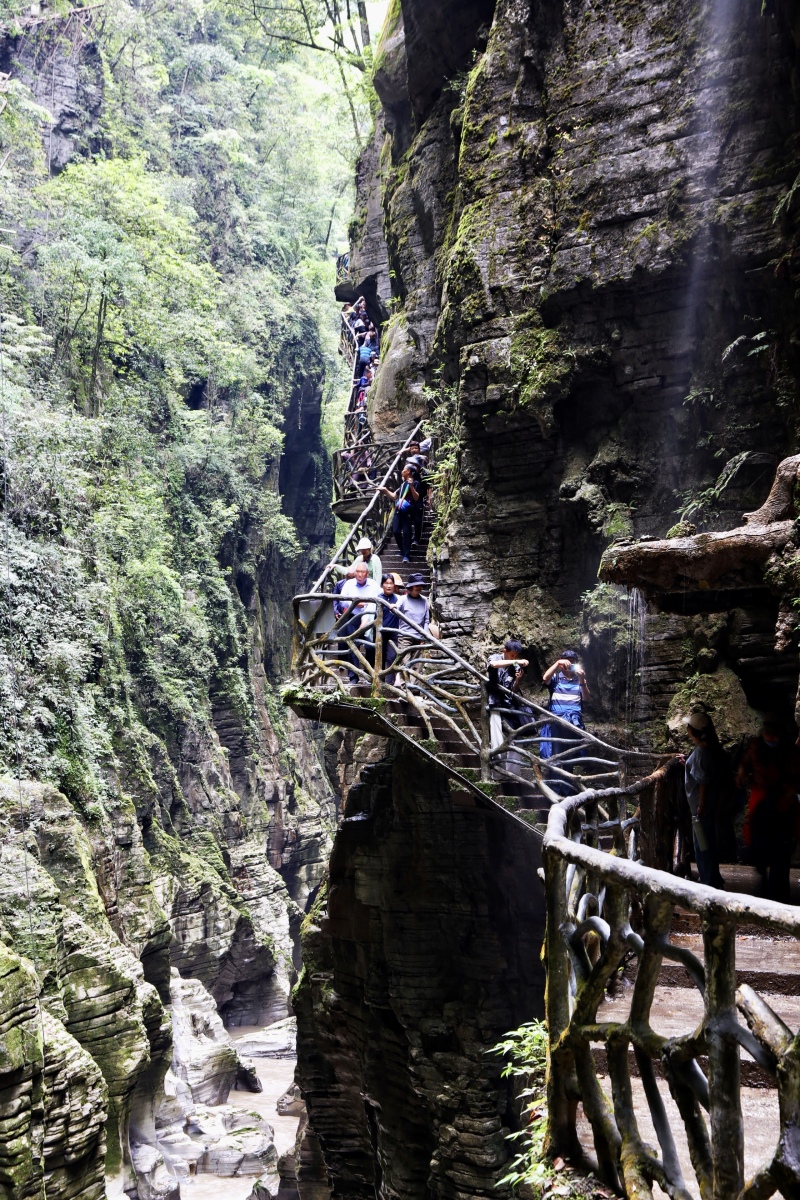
201	859
422	951
591	235
167	863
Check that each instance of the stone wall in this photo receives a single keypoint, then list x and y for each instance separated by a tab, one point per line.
419	954
589	244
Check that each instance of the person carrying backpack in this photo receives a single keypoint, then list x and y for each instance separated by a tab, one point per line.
404	499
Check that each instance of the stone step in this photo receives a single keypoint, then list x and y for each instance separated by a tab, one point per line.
460	761
454	745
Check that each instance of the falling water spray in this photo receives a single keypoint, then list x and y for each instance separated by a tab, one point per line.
706	155
635	655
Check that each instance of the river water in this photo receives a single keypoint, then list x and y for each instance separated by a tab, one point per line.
276	1075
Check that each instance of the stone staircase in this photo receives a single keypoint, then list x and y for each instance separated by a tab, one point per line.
463	763
397	719
391	559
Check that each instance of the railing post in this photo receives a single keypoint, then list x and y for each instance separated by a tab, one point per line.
560	1112
376	674
725	1110
486	745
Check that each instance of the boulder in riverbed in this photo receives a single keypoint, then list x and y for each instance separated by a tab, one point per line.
278	1040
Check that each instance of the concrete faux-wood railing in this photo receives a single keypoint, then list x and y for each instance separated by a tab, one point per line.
348	343
375	519
356	422
357	468
594	900
447	695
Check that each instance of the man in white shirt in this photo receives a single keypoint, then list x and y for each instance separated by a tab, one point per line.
365	555
361	621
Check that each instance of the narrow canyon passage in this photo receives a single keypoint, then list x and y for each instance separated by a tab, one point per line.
399	593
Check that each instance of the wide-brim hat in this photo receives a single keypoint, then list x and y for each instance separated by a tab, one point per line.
364	544
415	580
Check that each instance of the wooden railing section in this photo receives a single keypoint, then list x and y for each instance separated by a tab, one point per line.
602	908
441	687
359	467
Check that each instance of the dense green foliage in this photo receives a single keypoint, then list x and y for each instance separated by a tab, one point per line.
162	298
525	1053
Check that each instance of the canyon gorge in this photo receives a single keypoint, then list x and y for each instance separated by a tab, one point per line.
577	226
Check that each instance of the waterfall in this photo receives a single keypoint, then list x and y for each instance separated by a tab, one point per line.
705	160
635	655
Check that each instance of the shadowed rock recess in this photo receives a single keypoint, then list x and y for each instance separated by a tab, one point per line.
578	222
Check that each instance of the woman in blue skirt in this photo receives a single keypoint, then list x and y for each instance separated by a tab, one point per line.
566	680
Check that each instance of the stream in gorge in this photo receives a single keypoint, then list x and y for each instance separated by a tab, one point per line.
276	1075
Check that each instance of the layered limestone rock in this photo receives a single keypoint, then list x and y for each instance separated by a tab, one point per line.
75	1105
222	1141
91	983
420	954
53	1099
76	876
205	1063
591	235
197	1131
589	242
62	68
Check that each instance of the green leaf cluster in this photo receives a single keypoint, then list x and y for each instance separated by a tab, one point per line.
525	1054
163	300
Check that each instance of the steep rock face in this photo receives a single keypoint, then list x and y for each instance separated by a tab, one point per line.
591	239
61	66
52	1098
98	1010
590	234
191	823
422	951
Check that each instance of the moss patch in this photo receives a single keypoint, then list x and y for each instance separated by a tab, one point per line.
542	366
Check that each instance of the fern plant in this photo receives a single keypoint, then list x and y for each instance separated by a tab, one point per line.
525	1054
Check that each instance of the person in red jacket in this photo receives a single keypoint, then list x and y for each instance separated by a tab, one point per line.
770	770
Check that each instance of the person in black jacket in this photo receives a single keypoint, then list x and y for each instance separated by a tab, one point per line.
505	673
390	623
404	499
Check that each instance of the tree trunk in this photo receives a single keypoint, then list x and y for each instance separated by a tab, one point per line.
94	403
362	18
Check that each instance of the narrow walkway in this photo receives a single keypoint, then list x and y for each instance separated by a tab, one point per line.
647	1030
429	697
